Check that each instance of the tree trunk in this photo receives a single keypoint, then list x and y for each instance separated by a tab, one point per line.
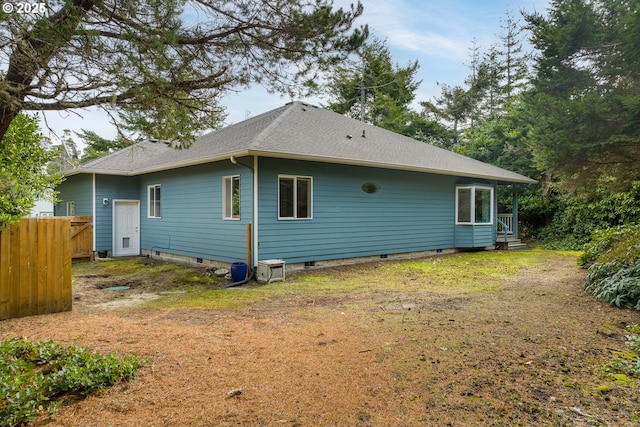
7	114
34	50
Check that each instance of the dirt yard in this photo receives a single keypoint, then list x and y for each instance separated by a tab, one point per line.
532	350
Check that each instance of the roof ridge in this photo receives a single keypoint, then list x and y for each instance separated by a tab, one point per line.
267	130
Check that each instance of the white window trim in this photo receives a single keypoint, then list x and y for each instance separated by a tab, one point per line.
71	208
224	198
149	187
473	204
295	198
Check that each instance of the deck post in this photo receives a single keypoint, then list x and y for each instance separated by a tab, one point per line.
514	210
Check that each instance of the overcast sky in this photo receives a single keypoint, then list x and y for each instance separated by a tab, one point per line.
437	33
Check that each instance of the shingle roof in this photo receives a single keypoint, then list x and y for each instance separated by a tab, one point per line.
300	131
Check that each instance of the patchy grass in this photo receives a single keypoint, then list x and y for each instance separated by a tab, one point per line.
463	273
184	287
143	267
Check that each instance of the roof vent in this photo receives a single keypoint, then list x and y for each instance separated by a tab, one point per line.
349	136
363	134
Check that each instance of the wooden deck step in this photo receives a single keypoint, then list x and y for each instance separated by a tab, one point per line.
513	244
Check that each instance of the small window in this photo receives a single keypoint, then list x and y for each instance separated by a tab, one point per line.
231	197
294	197
474	205
483	205
71	208
154	201
464	205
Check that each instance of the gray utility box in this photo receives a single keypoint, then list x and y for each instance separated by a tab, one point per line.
270	270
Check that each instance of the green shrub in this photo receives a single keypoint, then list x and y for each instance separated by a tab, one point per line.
576	218
614	272
610	244
616	284
34	376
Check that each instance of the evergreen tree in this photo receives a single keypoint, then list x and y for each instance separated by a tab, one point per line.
492	94
66	154
515	62
584	106
97	146
496	77
371	88
166	64
451	110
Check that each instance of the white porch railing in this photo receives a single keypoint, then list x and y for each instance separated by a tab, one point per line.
508	220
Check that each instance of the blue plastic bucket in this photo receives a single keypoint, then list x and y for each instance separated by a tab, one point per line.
238	271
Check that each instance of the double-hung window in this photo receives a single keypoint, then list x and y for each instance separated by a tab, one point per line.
295	194
474	205
231	197
154	201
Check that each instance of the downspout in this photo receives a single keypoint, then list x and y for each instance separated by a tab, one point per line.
93	197
255	212
254	234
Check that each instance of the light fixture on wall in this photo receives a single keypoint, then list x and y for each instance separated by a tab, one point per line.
105	201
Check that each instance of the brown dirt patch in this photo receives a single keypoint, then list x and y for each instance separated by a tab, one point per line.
531	353
107	292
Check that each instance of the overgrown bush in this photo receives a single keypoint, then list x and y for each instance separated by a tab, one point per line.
617	285
612	244
614	272
577	217
35	376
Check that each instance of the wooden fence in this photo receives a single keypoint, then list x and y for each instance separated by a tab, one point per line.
35	265
81	237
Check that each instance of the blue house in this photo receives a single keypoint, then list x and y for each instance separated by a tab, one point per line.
298	183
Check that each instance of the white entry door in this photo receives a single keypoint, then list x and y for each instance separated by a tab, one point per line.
126	218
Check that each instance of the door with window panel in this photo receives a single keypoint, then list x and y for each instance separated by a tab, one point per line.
126	215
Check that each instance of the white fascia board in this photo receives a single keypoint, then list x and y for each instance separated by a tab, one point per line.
293	156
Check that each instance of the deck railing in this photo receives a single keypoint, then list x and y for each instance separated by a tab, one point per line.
507	220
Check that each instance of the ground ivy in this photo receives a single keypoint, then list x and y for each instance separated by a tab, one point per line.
35	376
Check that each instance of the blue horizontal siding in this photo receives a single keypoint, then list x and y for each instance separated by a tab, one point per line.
484	235
475	236
77	189
111	187
191	221
411	212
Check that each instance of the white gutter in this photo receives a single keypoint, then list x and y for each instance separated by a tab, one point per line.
159	168
502	177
